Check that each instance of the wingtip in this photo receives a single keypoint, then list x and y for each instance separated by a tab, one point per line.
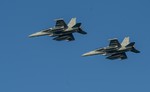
112	39
58	19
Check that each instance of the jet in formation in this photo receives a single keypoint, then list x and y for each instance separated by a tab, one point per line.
115	50
62	31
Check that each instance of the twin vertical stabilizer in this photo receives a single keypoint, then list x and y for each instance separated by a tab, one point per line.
72	22
125	42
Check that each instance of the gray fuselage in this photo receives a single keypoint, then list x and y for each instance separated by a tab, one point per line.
108	51
56	31
61	31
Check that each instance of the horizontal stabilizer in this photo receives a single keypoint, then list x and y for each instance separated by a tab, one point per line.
81	31
131	44
135	50
77	25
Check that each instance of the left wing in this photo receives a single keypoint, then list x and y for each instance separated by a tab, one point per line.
114	43
61	23
118	56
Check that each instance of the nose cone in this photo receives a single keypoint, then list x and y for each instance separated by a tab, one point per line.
38	34
90	53
85	54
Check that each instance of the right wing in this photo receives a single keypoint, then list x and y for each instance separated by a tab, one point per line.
68	37
61	23
114	43
123	56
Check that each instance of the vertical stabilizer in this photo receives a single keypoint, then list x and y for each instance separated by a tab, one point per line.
126	41
72	22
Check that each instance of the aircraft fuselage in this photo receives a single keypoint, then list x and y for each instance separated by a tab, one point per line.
108	51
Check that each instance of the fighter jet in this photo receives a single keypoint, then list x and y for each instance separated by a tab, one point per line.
115	50
62	31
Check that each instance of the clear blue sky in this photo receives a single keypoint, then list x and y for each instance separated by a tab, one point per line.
44	65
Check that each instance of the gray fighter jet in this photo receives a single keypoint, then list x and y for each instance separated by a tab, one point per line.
115	50
61	31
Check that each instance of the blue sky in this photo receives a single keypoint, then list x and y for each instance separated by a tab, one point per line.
44	65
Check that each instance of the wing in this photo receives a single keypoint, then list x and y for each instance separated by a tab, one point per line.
70	37
114	43
61	23
123	56
118	56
